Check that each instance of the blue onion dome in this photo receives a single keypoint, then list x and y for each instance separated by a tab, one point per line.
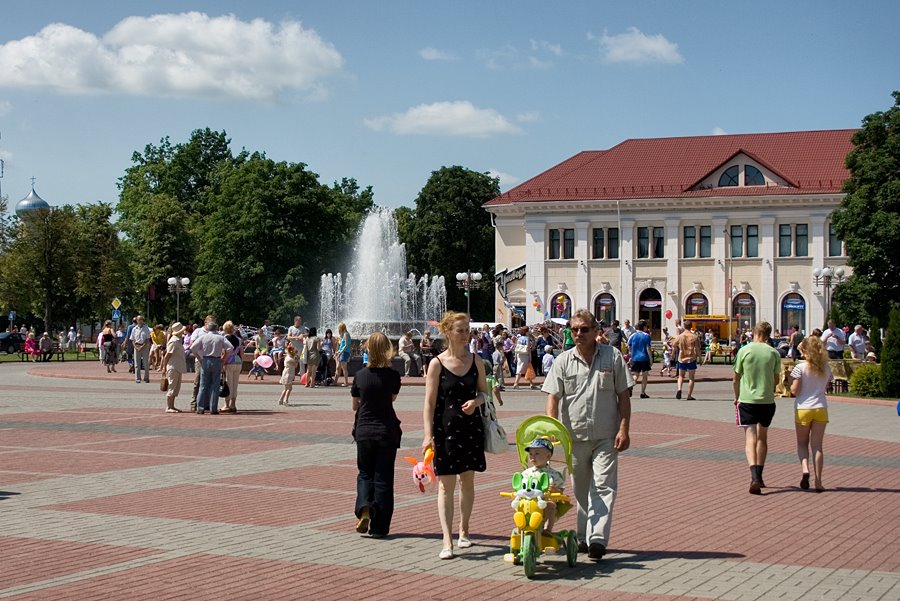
31	204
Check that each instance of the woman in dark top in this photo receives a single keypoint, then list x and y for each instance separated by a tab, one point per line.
110	352
454	389
377	433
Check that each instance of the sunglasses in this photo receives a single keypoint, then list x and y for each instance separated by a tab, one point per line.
583	330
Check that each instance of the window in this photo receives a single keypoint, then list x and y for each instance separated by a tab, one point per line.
597	252
793	312
744	310
753	176
706	241
801	243
737	241
784	240
690	242
554	245
697	304
729	177
835	246
605	308
568	244
643	243
752	240
612	242
659	243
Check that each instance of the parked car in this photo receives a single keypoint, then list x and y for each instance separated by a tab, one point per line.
11	342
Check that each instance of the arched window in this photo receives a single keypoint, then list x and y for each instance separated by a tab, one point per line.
729	177
560	306
753	176
650	303
744	311
697	304
605	308
793	312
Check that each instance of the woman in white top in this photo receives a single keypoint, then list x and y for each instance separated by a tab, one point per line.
811	377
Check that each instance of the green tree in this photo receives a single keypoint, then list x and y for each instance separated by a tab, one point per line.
449	232
38	270
890	356
868	219
854	301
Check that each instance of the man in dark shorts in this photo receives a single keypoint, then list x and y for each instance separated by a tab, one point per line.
639	343
687	347
756	369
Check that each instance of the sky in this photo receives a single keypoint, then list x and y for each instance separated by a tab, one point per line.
387	91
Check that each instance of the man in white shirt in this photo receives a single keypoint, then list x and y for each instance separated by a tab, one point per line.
628	329
209	349
296	336
70	339
834	340
858	342
140	339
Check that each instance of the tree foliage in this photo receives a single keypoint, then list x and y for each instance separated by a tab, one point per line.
868	219
890	356
449	232
254	235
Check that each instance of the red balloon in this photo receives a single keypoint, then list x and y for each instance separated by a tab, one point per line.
668	313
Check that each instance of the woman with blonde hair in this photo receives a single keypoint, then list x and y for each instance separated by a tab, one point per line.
232	362
343	353
455	388
811	377
377	433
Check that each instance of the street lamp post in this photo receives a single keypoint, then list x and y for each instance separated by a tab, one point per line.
178	285
826	278
468	281
733	313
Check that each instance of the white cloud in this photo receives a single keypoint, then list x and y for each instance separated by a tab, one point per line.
543	45
633	46
173	55
458	118
5	107
506	179
529	117
718	131
433	54
509	57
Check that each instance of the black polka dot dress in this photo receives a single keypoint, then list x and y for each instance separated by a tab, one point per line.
458	438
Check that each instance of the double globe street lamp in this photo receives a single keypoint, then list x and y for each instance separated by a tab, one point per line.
826	278
468	281
178	285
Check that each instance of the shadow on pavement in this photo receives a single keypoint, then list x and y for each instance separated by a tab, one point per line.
5	494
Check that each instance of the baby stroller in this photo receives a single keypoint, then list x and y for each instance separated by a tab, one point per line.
325	372
530	495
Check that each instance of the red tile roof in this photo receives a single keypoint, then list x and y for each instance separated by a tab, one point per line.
810	161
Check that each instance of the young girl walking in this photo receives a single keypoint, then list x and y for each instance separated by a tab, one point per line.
287	374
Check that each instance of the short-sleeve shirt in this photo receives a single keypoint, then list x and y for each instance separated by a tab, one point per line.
812	386
556	478
176	348
757	363
834	339
639	343
375	388
588	392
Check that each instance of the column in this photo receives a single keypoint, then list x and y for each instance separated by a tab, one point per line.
673	276
767	308
535	274
721	290
627	302
581	295
815	316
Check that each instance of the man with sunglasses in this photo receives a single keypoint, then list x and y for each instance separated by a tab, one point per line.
589	391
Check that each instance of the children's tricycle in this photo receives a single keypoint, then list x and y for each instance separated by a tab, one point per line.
530	496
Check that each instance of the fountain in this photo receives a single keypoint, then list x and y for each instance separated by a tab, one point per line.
377	294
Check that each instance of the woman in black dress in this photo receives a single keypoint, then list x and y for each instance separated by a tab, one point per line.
454	389
376	431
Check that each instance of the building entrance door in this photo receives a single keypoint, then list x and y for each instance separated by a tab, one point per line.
650	304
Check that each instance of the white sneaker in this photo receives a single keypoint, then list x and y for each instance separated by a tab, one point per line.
446	554
463	543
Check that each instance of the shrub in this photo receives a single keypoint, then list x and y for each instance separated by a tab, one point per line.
866	381
890	356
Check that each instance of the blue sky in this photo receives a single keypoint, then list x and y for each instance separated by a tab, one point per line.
387	92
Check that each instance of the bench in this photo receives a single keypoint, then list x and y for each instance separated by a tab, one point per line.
55	351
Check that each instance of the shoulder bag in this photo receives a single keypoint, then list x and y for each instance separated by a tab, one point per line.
494	433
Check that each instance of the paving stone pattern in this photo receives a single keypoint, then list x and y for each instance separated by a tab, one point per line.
103	496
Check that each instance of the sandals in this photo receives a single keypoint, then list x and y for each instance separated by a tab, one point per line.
446	554
362	524
463	543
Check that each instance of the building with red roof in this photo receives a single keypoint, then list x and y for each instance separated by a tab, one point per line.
661	228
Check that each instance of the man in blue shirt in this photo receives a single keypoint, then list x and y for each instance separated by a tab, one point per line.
639	343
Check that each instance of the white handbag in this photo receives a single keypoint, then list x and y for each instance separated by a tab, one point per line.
494	434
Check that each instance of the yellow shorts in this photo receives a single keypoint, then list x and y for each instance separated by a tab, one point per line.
804	417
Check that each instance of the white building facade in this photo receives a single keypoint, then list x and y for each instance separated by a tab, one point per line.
727	226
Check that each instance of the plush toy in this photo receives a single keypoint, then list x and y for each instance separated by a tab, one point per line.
423	471
529	501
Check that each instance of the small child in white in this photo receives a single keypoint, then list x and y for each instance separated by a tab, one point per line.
540	451
547	361
667	359
287	375
257	370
